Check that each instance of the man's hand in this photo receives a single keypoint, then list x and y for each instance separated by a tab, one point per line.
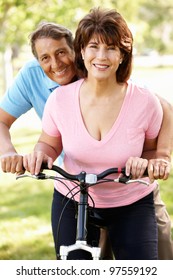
12	162
159	169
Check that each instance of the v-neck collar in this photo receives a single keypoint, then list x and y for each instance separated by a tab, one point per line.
116	124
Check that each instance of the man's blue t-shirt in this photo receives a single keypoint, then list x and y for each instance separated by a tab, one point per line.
30	89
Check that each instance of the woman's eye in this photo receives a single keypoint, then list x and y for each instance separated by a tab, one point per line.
93	46
111	48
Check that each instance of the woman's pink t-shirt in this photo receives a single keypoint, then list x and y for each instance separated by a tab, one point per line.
140	117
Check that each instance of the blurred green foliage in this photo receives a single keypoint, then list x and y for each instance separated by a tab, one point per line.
151	21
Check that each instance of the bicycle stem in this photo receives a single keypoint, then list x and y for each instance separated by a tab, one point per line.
81	233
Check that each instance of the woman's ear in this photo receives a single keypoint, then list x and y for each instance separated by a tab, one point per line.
121	58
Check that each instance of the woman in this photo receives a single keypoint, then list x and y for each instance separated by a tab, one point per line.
101	121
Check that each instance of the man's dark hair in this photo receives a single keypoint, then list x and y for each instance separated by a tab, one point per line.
50	30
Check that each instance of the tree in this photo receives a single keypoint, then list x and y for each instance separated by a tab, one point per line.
158	18
151	22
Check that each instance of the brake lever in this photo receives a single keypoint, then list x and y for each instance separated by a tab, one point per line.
124	179
128	180
40	176
138	181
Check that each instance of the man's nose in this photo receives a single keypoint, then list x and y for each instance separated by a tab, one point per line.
55	62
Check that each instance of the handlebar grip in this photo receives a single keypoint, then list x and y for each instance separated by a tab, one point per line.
44	165
61	171
145	173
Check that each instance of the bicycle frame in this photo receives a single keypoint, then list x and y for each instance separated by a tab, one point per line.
81	237
85	180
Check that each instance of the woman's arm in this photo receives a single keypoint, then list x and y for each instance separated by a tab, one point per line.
47	149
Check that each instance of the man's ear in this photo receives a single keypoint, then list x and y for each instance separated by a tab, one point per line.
82	53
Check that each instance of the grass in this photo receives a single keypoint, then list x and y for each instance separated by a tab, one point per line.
158	79
25	212
25	231
25	221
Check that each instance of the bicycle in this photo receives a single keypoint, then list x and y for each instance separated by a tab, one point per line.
84	181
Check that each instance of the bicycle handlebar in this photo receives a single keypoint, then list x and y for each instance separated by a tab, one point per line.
86	177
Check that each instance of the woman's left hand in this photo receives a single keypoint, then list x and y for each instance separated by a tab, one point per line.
136	166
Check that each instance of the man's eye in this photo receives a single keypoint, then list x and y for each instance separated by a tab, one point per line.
44	58
61	53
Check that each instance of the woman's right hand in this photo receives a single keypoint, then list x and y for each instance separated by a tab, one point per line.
33	161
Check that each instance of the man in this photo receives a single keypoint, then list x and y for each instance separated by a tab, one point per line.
52	46
38	78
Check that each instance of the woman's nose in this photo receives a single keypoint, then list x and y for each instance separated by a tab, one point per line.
101	54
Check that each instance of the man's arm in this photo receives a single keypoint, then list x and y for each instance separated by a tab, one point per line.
159	153
10	160
165	137
164	144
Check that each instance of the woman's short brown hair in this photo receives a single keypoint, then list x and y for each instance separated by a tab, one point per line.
110	27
